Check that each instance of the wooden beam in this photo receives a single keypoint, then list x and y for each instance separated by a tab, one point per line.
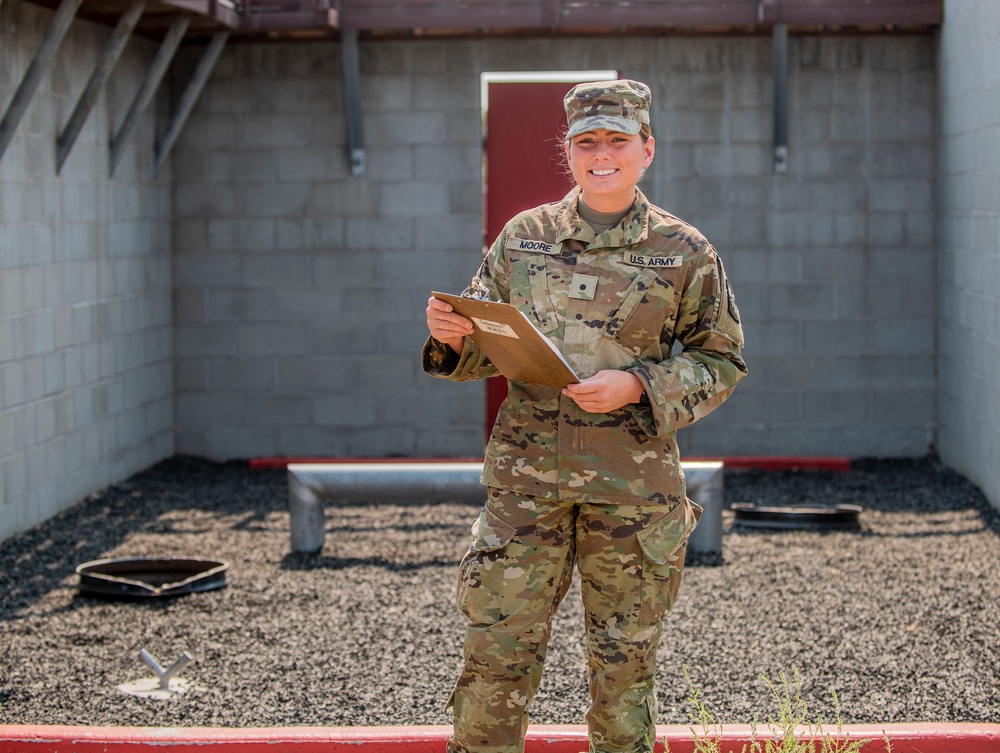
109	57
191	92
148	87
38	67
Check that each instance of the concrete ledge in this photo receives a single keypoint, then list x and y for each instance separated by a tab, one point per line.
905	738
310	485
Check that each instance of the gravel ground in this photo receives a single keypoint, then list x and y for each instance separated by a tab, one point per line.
900	619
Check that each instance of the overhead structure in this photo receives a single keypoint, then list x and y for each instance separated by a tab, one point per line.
296	19
177	22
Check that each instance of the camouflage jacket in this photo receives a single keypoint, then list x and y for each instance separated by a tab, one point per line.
649	282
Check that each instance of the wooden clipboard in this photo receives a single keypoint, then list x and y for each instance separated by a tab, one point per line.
518	350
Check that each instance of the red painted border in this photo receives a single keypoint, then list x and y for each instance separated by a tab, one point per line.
784	463
905	738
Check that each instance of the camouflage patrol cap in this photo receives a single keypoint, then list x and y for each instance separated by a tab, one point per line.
621	106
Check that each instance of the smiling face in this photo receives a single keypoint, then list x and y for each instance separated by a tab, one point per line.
607	165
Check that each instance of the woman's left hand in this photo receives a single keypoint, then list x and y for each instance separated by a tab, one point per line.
605	391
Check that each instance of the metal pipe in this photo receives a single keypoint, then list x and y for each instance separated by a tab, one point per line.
311	484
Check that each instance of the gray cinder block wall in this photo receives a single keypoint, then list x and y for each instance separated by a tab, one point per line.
300	290
85	308
969	239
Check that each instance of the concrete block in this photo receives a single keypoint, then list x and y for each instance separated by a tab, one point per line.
463	232
903	336
277	199
240	374
809	301
305	164
345	198
277	410
350	410
390	163
13	390
314	374
362	234
205	410
207	340
414	199
206	201
464	198
269	271
225	442
191	374
317	307
416	127
219	269
276	339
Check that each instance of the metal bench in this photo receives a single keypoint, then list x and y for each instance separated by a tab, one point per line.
310	485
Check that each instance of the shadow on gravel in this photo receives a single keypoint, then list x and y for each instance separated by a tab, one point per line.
305	562
41	559
900	485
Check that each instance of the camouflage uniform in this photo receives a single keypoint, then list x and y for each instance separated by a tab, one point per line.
603	490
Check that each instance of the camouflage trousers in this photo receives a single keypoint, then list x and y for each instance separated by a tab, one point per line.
511	581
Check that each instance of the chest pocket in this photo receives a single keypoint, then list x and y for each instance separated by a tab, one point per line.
638	321
529	290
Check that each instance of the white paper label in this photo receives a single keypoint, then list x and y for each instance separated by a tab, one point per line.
495	328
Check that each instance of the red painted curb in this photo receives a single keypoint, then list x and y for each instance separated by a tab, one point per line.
784	463
904	738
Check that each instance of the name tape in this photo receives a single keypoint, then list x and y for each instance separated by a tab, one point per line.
667	262
526	244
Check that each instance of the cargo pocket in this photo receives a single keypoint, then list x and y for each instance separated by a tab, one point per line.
480	576
664	544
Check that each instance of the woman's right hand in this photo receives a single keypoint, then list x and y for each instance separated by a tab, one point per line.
446	326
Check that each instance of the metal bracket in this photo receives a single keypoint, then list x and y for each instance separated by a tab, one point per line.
148	88
112	51
351	73
779	65
165	674
189	97
38	67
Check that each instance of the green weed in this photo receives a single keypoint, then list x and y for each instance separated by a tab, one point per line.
791	730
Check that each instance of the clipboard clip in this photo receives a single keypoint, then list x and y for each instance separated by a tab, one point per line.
476	290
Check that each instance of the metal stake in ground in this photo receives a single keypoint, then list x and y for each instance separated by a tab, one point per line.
159	687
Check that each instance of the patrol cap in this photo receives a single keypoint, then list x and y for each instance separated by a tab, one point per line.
621	106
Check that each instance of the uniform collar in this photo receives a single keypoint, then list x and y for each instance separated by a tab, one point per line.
634	227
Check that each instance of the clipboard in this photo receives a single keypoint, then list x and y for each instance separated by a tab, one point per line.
518	350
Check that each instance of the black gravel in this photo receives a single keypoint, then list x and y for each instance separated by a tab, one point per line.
900	619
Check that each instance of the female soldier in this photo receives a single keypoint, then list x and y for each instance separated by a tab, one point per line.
589	474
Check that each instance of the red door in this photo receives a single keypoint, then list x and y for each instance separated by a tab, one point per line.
524	165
